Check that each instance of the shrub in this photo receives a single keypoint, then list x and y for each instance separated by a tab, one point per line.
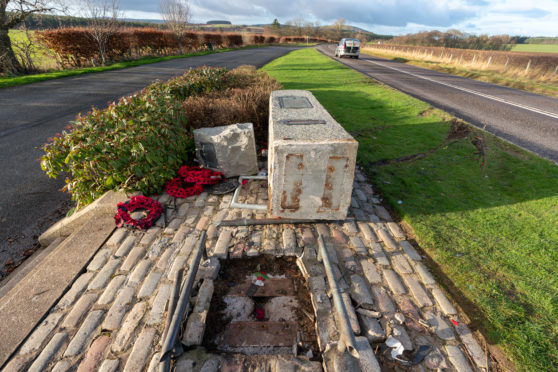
245	99
136	144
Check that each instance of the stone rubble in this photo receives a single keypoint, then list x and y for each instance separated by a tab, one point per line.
113	316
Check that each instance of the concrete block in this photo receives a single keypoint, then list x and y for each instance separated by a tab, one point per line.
229	149
311	159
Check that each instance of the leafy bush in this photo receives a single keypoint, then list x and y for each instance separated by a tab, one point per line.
136	144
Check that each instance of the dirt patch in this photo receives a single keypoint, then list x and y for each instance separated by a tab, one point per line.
234	272
427	112
458	130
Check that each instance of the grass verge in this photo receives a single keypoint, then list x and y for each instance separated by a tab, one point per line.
547	85
485	211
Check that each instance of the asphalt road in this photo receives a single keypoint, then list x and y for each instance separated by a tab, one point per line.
30	114
525	119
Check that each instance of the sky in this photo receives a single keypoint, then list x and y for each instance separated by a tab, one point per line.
393	17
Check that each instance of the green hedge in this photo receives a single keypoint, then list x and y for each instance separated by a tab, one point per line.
136	144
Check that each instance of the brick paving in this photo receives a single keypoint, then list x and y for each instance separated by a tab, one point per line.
112	317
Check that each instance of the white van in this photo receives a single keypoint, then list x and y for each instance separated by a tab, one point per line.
348	47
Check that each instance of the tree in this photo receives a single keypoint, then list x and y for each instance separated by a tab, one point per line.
12	13
102	22
176	14
276	26
339	25
298	24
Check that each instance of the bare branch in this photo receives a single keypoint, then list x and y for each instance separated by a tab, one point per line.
176	14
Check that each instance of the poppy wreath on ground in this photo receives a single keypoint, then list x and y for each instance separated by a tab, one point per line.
153	207
199	175
180	189
190	181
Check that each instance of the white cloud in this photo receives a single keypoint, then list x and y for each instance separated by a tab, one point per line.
380	16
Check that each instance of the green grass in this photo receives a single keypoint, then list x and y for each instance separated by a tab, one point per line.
538	48
490	227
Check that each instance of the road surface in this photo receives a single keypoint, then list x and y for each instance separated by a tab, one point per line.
30	114
525	119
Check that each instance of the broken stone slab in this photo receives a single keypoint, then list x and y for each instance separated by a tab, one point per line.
360	292
195	327
371	328
229	149
440	326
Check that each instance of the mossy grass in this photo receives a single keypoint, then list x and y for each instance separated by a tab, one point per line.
483	210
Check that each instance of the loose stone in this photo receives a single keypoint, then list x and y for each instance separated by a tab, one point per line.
441	327
360	292
221	249
400	333
384	301
371	329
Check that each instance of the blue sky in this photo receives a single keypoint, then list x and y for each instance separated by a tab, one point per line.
514	17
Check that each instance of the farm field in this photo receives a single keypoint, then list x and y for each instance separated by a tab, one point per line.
532	72
535	48
483	211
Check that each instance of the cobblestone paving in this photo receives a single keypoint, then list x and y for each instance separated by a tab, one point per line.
112	317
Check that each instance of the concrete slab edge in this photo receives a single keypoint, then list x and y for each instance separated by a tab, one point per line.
49	277
105	205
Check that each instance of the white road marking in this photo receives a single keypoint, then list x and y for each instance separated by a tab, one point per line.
525	107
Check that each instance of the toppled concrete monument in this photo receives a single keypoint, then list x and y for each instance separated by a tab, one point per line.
229	149
311	159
